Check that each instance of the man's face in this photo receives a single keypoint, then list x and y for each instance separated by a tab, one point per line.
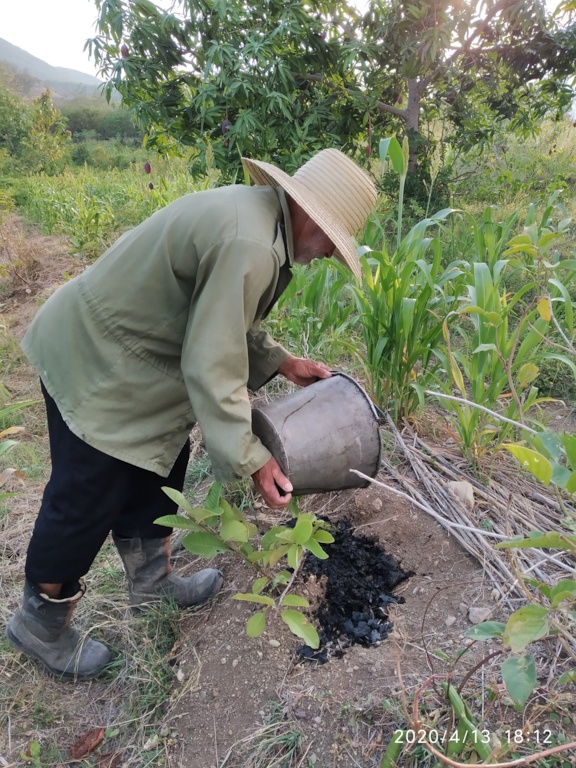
312	243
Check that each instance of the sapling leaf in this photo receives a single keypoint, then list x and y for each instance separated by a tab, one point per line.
248	597
212	500
295	601
564	590
519	676
269	538
301	627
177	521
234	530
178	498
293	556
324	537
302	531
526	625
204	544
278	553
259	585
316	549
256	624
486	630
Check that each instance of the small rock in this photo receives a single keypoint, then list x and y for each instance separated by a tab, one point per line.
318	720
463	608
463	491
449	620
223	661
377	504
235	663
180	675
274	643
477	614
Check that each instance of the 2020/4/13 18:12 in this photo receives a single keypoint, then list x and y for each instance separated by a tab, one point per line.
434	736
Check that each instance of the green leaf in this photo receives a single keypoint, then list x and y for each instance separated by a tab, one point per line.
248	597
259	585
536	463
299	625
295	601
537	540
519	675
177	521
391	148
293	556
569	443
256	624
486	630
570	484
567	677
234	530
564	590
302	530
324	537
204	544
526	625
316	549
177	497
212	500
527	373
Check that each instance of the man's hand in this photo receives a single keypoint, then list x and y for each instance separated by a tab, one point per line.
274	486
303	372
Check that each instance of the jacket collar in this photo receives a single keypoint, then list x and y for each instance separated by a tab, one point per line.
286	225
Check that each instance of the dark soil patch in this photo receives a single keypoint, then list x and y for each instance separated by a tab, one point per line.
358	579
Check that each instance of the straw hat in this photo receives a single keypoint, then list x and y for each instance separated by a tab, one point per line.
336	193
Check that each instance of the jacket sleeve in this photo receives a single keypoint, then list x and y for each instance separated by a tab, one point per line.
265	356
234	281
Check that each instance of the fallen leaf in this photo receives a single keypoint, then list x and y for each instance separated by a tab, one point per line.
110	760
87	743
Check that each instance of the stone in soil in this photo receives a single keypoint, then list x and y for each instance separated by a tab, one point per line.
359	578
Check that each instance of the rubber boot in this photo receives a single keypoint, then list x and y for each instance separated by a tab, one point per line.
41	629
150	577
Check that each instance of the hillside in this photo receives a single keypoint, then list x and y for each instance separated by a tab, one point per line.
63	82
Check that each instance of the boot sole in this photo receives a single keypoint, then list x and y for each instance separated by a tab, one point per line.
56	672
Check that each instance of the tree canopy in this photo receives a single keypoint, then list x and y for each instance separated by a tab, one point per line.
280	79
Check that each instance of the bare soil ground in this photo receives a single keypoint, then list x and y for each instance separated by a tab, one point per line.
229	694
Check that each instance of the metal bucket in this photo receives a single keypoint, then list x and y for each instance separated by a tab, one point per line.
321	432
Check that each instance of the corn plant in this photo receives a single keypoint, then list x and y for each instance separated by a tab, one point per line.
401	306
312	314
492	354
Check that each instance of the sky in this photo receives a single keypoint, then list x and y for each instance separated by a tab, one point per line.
53	30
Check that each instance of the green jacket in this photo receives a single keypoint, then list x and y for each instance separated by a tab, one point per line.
162	331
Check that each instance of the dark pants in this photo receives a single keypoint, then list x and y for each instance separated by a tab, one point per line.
88	495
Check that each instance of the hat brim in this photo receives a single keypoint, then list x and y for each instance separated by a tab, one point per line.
266	174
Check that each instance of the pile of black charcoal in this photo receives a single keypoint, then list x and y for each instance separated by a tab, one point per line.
359	578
